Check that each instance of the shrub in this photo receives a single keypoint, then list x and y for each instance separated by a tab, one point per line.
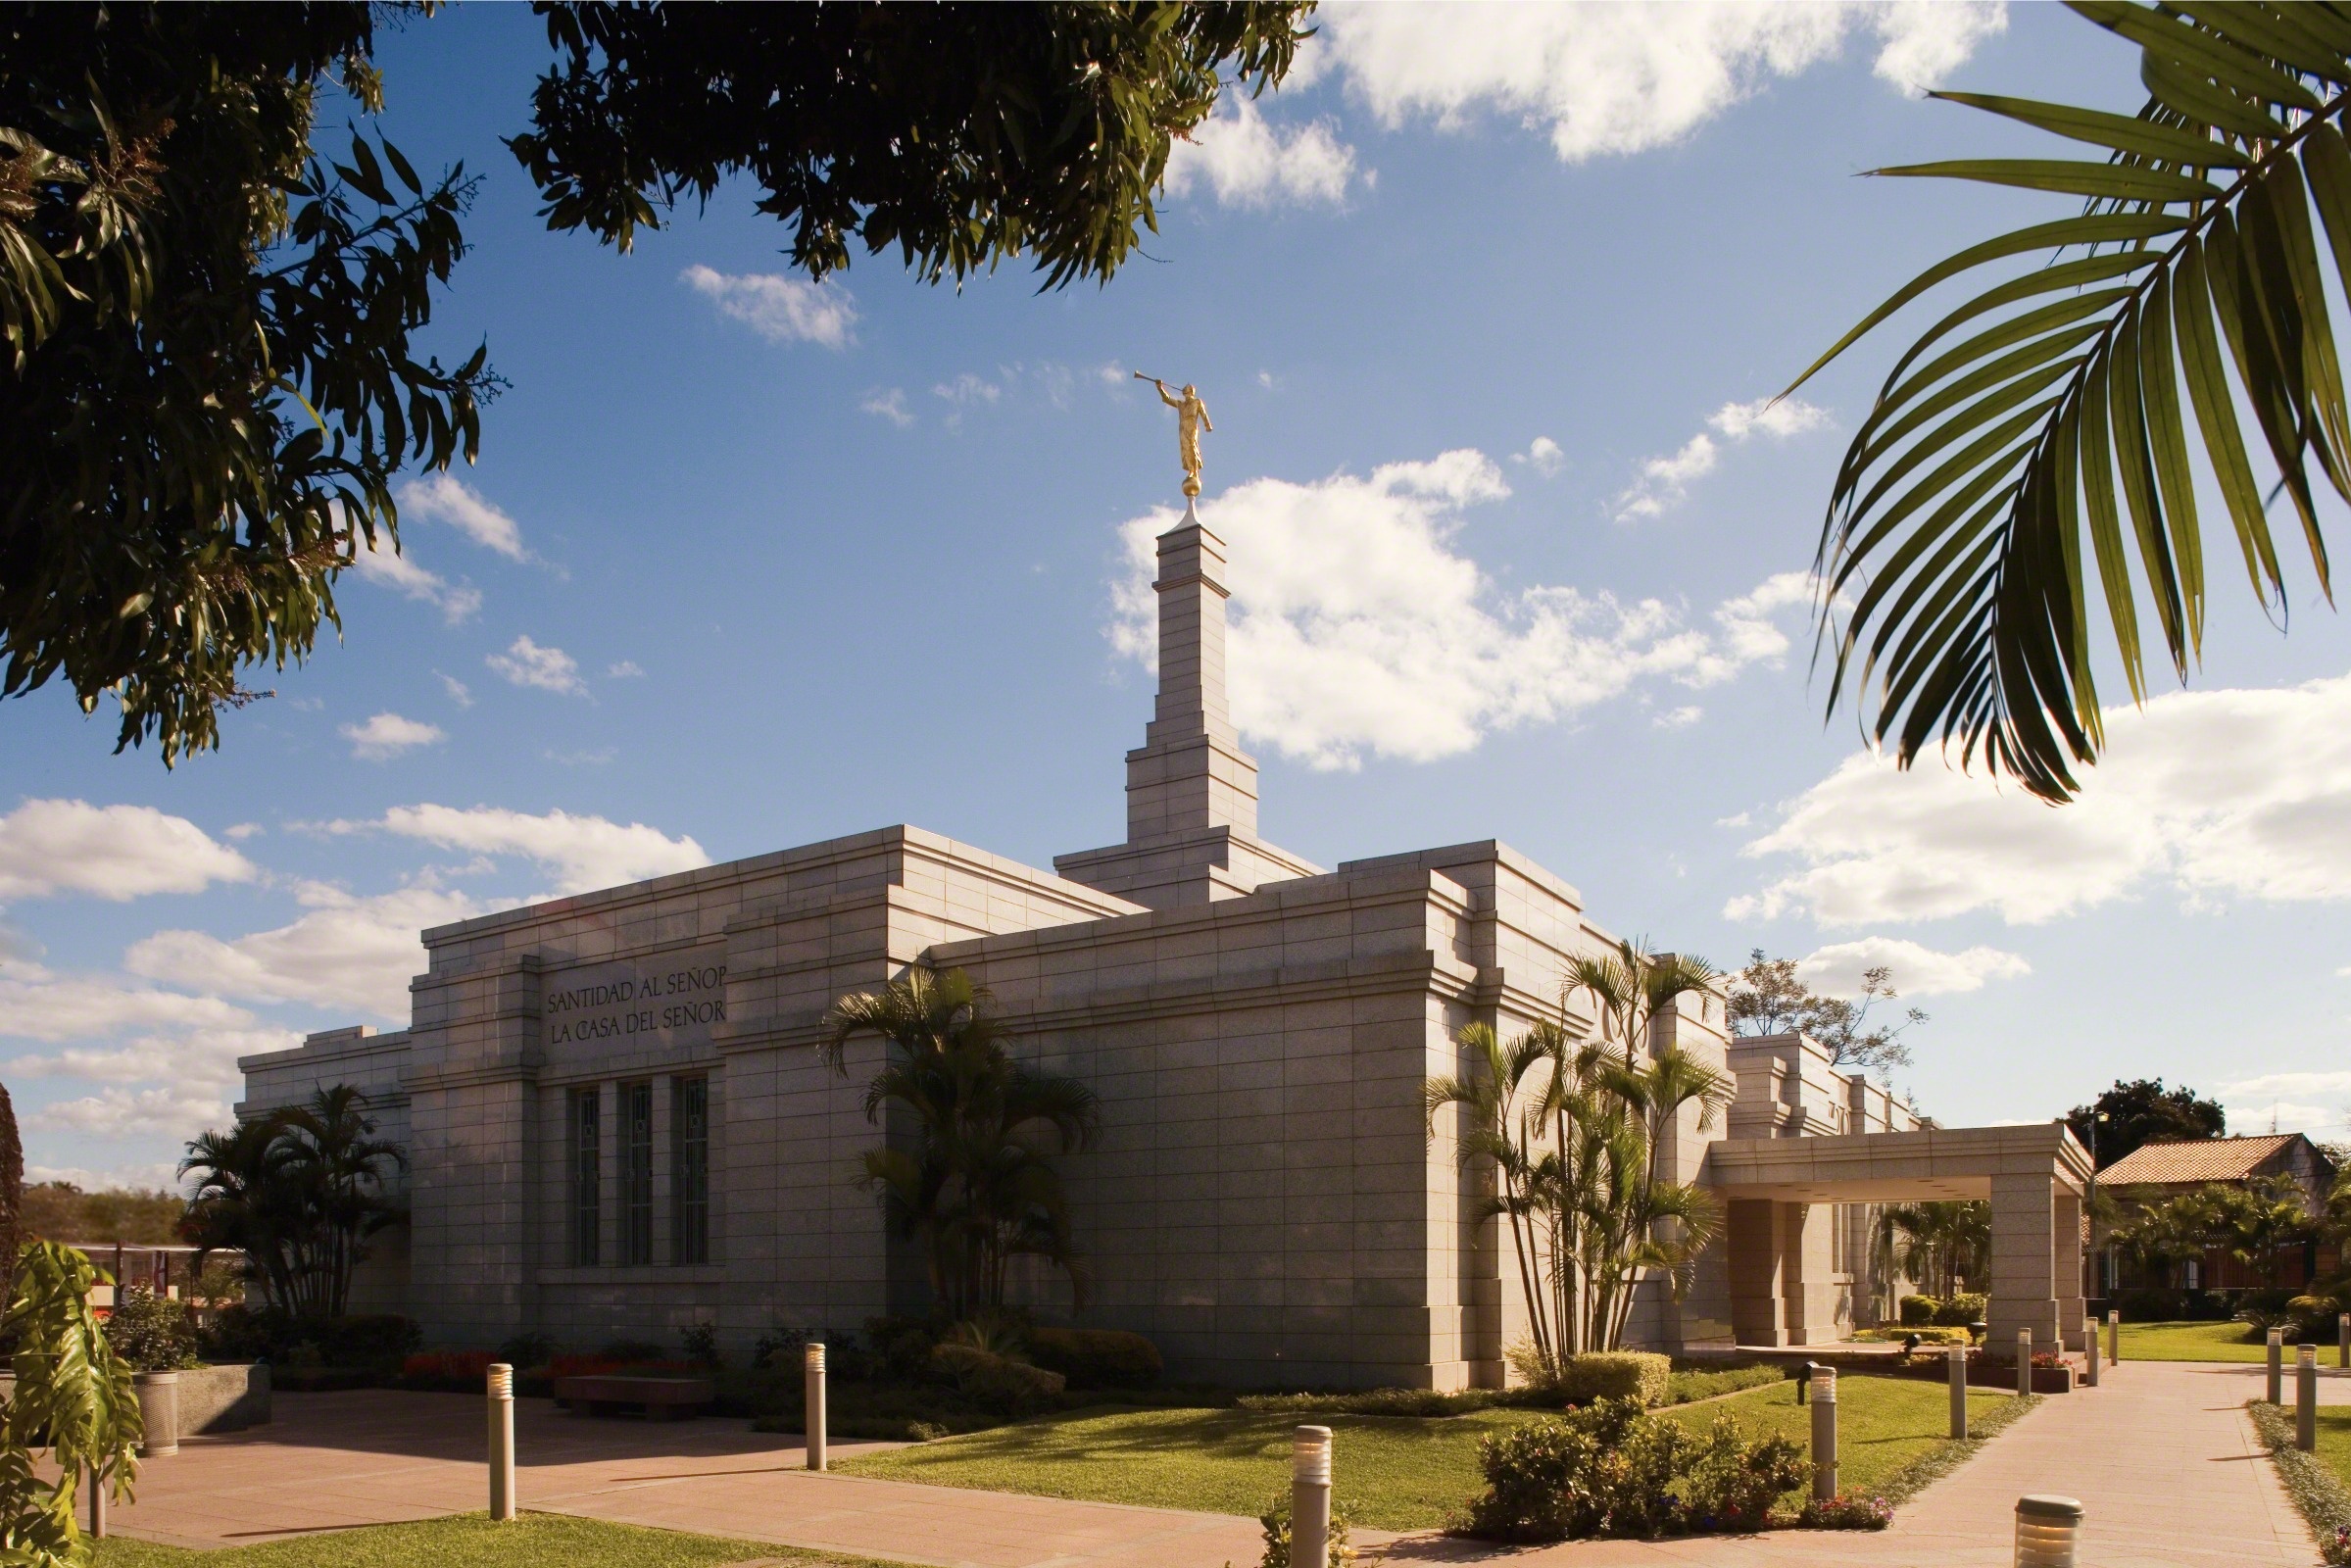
151	1332
1917	1311
467	1370
1703	1381
902	1347
1962	1309
1419	1403
997	1382
1642	1376
1097	1358
374	1341
1612	1470
524	1352
1276	1520
1926	1335
701	1341
1848	1510
2151	1304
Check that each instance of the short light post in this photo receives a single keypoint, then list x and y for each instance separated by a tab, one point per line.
2276	1340
2049	1531
2306	1397
2090	1348
1824	1433
812	1355
1958	1359
501	1441
2342	1339
1310	1497
2113	1337
2024	1363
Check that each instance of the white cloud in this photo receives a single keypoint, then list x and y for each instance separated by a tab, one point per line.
1621	79
1665	481
968	389
2213	795
129	1113
1917	971
1678	717
459	692
378	564
781	309
49	1008
583	853
387	735
526	664
446	498
1356	626
110	851
159	1175
1248	162
346	953
626	670
1543	455
203	1059
890	405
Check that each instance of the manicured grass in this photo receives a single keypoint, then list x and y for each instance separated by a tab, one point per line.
471	1541
2193	1341
2334	1441
2320	1483
1393	1473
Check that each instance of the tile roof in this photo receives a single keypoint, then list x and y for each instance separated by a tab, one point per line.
2201	1160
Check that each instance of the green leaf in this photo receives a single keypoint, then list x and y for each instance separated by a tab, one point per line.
2123	133
2066	176
2166	444
2216	414
2105	525
2136	465
2271	31
2184	49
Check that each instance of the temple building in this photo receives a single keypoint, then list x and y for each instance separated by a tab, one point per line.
618	1125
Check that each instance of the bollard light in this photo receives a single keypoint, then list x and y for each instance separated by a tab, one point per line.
1958	1391
2306	1397
501	1441
2342	1339
815	1413
2049	1531
2024	1363
1310	1497
1824	1433
2276	1340
2089	1349
2114	1336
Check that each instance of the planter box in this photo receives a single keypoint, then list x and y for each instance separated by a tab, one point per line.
1984	1374
660	1398
224	1398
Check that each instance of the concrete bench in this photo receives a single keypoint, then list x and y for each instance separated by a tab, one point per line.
660	1398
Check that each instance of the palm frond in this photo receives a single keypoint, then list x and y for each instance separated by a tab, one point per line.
1995	471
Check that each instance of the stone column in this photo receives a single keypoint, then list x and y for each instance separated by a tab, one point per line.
1757	1269
2067	1264
2024	1262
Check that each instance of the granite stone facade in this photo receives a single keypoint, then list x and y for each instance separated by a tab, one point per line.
618	1125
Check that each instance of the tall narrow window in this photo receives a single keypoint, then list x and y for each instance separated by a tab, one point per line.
587	1174
636	1172
690	1170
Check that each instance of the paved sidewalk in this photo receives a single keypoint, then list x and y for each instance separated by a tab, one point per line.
2162	1456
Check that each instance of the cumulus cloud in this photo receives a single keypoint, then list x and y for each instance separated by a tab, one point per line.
446	498
54	1007
459	692
130	1113
2233	794
1249	162
2314	1102
551	670
967	389
110	851
1836	970
1543	455
377	562
386	735
582	852
889	404
1678	717
203	1059
1621	79
781	309
1355	625
1665	481
625	669
346	952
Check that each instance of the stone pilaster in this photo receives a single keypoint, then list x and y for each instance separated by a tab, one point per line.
2024	1262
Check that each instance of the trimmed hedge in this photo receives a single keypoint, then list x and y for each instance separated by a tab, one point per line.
1642	1376
1097	1358
1612	1469
997	1382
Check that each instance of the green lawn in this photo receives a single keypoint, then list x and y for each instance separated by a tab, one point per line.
1393	1473
471	1541
2193	1342
2334	1441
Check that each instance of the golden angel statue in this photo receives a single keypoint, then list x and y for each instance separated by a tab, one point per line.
1192	417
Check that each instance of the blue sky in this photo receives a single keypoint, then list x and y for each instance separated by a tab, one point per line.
1483	310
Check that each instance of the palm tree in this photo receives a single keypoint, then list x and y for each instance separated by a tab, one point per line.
1487	1129
1983	488
977	1188
1939	1245
240	1202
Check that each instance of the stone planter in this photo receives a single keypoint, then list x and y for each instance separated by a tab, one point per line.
224	1398
159	1409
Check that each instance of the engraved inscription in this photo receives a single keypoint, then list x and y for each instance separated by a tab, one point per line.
671	1000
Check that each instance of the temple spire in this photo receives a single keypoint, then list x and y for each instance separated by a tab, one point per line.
1189	773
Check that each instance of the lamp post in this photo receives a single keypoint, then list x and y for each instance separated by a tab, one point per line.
1310	1497
2047	1530
814	1412
501	1441
1824	1433
2306	1397
1958	1361
2275	1350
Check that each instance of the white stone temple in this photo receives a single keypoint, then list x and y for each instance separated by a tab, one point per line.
618	1123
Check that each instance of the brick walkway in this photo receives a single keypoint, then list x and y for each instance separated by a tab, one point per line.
2162	1456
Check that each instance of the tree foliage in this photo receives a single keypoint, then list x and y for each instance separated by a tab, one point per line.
2143	1112
2251	1221
961	135
2046	428
60	1211
298	1193
1943	1246
208	381
1768	998
973	1182
1573	1123
73	1414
